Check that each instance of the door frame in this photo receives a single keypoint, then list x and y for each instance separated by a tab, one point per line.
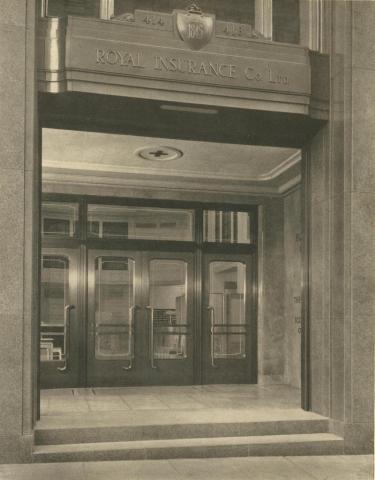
196	246
200	248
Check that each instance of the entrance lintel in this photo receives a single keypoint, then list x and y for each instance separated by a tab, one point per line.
127	59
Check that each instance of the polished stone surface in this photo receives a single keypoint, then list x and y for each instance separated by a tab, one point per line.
270	468
90	401
272	323
293	289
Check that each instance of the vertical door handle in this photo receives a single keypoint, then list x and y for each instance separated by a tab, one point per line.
132	310
152	361
212	331
67	310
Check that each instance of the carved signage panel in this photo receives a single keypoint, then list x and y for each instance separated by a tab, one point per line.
177	65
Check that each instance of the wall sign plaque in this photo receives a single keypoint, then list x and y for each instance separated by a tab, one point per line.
195	67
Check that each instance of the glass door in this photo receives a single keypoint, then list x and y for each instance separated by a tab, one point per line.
228	329
116	345
140	309
60	326
168	293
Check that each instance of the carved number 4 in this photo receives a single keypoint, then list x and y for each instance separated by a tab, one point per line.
153	21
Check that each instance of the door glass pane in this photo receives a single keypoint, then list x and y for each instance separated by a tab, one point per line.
227	293
285	21
54	297
116	221
226	227
59	219
168	297
240	11
114	302
85	8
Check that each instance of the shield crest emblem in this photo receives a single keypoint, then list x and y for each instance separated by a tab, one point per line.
195	28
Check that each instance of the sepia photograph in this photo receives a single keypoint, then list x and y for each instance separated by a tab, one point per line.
187	232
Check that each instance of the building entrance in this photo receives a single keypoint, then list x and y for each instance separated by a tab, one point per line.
165	313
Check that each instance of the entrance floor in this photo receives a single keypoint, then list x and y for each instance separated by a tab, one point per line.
90	401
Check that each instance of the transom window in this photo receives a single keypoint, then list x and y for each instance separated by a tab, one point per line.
109	221
241	11
117	221
277	20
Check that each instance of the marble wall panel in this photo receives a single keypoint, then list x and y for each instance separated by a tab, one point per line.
319	274
362	359
339	167
12	96
363	38
11	374
337	362
363	254
273	322
363	150
13	12
293	288
12	238
318	160
337	256
14	103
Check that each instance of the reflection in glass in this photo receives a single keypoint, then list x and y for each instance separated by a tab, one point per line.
60	8
59	219
116	221
240	11
168	296
226	227
114	299
285	21
54	294
227	299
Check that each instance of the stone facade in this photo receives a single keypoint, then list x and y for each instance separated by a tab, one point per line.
342	273
341	245
19	187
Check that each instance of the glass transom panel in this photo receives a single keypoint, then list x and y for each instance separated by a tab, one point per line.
226	227
240	11
59	219
114	221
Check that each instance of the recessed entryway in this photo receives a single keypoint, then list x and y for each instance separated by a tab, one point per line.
178	314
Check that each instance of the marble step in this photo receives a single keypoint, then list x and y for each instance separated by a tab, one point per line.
163	426
264	445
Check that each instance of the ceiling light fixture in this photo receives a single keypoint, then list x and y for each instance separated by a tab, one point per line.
182	108
159	153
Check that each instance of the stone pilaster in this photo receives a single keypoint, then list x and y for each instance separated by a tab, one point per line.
18	226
